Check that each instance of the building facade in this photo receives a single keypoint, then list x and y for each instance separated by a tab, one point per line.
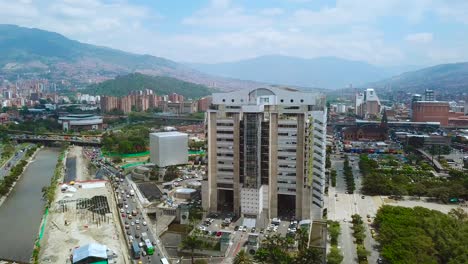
168	148
367	104
430	111
266	153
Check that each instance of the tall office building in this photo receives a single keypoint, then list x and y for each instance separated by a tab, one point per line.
429	95
266	153
367	104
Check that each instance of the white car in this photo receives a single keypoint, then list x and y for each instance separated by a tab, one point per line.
144	223
126	206
141	244
202	228
137	222
132	223
130	238
122	210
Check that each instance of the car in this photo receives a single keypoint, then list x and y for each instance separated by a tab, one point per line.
128	196
137	235
128	232
336	195
126	206
202	228
144	223
144	253
137	227
236	228
253	230
123	214
127	226
363	197
128	212
369	220
137	222
219	233
130	216
130	238
141	244
368	216
262	231
122	210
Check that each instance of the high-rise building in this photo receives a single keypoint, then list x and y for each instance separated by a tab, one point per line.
266	153
109	103
168	148
429	95
204	103
367	104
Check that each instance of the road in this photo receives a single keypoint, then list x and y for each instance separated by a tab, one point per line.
343	205
341	209
13	160
131	203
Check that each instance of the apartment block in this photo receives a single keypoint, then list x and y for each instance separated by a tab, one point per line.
266	153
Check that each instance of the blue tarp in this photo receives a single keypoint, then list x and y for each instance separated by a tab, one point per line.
91	250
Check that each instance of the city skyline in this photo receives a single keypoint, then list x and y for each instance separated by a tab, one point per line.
383	33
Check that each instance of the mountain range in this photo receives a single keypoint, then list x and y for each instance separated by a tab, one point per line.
53	56
44	54
322	72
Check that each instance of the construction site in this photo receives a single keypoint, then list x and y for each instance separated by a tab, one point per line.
84	213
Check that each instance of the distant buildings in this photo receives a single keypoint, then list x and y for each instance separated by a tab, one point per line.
143	100
266	151
430	111
367	104
168	148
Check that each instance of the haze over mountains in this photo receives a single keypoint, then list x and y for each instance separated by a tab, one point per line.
50	55
53	56
323	72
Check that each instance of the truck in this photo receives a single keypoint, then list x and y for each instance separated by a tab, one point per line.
144	236
135	250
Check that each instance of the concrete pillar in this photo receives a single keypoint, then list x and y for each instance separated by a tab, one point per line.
300	165
236	150
212	167
273	169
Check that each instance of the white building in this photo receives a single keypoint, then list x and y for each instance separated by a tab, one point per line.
168	148
266	153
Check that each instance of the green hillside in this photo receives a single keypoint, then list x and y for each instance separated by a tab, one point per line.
123	85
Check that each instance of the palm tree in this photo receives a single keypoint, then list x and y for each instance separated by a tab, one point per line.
191	243
242	258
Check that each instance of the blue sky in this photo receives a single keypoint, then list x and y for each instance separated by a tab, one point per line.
393	32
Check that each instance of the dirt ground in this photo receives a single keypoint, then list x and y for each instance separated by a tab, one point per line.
82	227
82	173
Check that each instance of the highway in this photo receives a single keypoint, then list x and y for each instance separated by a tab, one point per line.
129	203
19	154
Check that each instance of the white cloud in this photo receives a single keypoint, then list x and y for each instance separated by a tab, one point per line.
271	11
419	38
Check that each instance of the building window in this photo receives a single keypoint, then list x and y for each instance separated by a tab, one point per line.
224	100
302	100
232	100
292	101
282	100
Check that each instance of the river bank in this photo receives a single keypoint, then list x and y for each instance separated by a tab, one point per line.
28	161
22	212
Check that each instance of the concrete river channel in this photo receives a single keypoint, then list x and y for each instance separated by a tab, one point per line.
21	213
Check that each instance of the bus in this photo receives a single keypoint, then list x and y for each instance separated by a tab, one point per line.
149	247
164	261
135	250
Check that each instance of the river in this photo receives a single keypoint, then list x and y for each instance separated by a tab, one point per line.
21	213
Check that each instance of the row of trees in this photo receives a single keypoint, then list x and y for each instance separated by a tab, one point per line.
48	192
7	182
333	177
359	235
420	235
334	256
131	139
411	180
349	178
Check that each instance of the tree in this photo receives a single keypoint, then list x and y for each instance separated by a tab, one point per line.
459	214
334	231
302	238
273	250
172	172
362	253
242	258
191	242
309	256
334	256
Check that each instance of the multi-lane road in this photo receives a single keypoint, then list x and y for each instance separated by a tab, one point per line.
129	204
343	205
19	154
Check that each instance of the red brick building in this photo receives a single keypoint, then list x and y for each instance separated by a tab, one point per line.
431	111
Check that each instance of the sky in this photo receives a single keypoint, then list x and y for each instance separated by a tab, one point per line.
380	32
